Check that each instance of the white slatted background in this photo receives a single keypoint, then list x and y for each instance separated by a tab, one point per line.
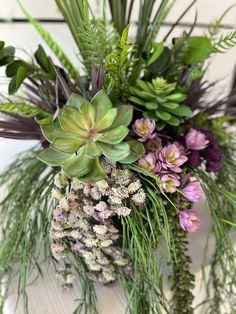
45	296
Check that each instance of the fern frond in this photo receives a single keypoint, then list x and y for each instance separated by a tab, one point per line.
118	62
225	42
26	110
62	57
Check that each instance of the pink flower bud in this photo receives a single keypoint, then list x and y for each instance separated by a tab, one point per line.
189	220
193	191
144	128
196	140
172	156
148	162
170	182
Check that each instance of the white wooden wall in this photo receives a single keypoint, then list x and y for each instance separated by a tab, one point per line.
45	295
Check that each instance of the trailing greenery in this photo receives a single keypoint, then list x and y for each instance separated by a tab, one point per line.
182	280
25	218
220	196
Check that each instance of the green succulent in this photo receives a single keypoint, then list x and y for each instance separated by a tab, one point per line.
86	130
160	101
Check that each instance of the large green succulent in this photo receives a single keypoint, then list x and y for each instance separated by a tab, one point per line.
86	130
160	101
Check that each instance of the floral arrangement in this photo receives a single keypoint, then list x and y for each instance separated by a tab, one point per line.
127	143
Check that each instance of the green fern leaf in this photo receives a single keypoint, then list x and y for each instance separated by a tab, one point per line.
225	42
27	110
118	62
52	44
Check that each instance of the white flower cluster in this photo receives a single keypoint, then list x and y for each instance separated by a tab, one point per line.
84	215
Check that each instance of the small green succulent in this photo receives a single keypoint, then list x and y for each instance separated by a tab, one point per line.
86	130
161	101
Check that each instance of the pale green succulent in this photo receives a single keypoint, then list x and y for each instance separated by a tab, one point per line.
86	130
160	101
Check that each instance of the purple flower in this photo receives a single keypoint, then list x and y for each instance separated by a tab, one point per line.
194	158
148	162
189	220
193	191
196	140
154	144
144	128
212	166
170	182
172	157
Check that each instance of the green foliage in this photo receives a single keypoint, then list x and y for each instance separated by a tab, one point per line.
52	44
182	281
84	132
45	62
94	38
160	100
188	51
6	54
17	80
24	109
221	198
118	11
118	63
215	27
25	214
225	42
198	50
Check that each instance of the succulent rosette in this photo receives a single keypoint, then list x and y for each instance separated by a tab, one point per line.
84	131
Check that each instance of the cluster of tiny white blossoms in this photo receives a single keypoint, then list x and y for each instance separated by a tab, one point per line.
84	215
